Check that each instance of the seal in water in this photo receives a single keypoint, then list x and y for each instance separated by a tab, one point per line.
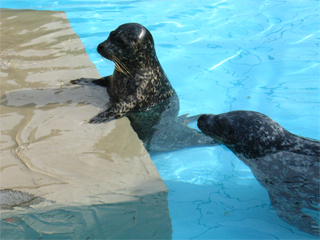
285	164
140	90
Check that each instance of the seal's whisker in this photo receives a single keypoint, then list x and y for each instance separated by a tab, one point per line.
119	69
117	66
123	66
120	66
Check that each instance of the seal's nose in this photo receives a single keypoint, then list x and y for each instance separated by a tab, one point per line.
202	121
100	47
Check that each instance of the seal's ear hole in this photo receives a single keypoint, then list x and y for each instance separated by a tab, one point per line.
231	131
224	125
222	121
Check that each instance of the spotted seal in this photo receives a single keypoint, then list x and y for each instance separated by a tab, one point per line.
140	90
285	164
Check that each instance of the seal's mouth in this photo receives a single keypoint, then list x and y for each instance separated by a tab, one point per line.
105	52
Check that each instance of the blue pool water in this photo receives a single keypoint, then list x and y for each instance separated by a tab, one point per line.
219	56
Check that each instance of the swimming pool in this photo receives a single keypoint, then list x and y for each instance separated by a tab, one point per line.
219	56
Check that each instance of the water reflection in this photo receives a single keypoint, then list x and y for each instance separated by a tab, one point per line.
145	217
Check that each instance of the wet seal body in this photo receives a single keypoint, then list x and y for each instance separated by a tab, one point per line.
140	90
285	164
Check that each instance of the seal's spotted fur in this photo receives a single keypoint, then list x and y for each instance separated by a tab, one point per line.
285	164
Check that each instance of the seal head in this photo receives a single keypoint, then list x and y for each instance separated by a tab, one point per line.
248	132
131	39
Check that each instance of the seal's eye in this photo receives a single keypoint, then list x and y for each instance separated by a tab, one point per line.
224	126
119	41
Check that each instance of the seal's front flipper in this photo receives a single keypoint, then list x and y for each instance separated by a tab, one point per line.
295	217
82	81
102	117
103	82
114	111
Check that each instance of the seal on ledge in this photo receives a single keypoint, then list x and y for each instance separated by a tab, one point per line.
140	90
